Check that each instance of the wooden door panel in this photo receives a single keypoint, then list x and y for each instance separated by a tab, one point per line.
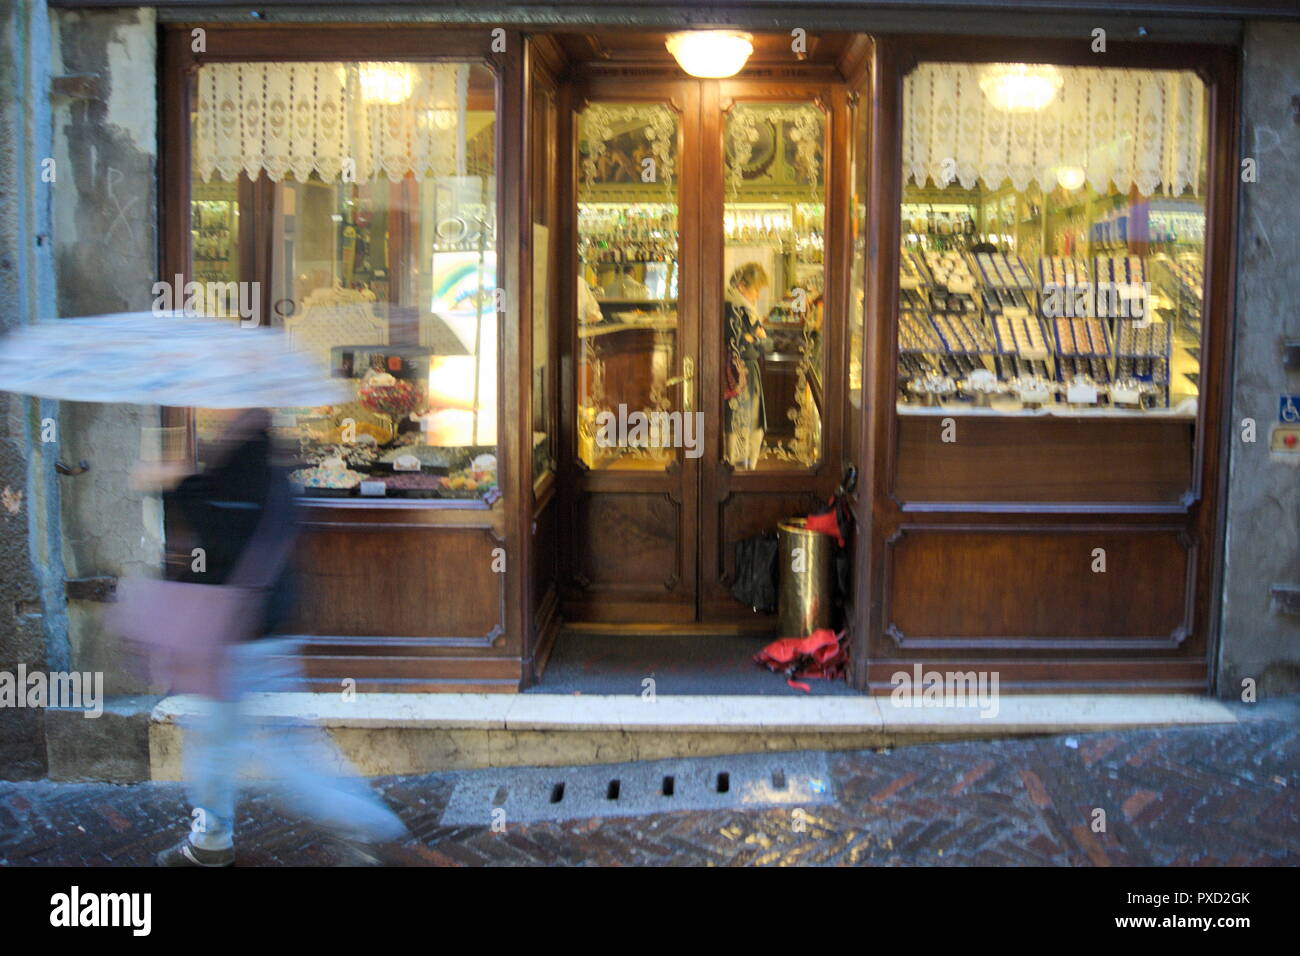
632	542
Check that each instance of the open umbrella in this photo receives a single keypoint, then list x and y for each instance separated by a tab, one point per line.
146	358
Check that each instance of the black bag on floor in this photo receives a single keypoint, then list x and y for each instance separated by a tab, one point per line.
755	581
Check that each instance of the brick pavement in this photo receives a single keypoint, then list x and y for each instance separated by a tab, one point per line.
1189	796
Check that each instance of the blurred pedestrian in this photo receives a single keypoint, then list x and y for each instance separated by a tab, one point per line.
241	512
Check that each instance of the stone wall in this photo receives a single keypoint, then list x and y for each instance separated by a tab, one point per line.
1258	640
32	624
106	240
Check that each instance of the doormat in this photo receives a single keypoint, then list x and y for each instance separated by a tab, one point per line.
540	794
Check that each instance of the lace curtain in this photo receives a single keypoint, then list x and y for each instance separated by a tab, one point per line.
291	120
1127	127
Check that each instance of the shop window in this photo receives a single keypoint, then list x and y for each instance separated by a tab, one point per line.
775	227
358	200
1053	236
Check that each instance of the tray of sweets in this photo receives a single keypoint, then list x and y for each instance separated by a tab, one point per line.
911	275
1063	271
1143	339
964	334
1074	366
1084	337
1142	369
1190	272
413	484
916	334
1014	366
912	364
955	303
996	300
957	366
950	270
1003	271
1119	270
910	300
1020	334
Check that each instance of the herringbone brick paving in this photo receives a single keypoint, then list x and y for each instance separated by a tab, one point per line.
1189	796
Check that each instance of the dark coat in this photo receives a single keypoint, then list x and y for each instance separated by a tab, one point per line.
745	348
223	506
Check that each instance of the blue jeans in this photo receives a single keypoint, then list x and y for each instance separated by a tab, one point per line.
307	772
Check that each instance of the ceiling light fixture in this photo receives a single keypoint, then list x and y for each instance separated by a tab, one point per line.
711	54
1021	87
1070	177
387	83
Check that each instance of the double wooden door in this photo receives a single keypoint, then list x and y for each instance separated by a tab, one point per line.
699	391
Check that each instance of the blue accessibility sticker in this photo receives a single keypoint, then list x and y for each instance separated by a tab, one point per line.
1289	409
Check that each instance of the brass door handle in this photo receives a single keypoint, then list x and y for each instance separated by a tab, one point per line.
687	381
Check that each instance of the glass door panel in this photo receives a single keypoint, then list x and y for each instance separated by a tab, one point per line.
630	397
775	226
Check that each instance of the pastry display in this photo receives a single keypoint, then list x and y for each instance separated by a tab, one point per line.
981	387
950	270
932	388
910	273
1119	270
1003	272
1080	337
916	334
1142	339
426	456
958	364
964	333
332	475
1062	271
998	300
467	483
356	455
385	395
1019	333
1070	368
1033	391
413	484
340	455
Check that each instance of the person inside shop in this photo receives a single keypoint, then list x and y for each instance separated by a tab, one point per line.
744	411
588	307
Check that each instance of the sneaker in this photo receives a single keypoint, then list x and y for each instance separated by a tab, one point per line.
186	853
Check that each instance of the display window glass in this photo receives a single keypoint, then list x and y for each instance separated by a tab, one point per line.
354	206
1053	240
775	230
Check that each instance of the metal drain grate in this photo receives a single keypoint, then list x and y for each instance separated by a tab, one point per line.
536	794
